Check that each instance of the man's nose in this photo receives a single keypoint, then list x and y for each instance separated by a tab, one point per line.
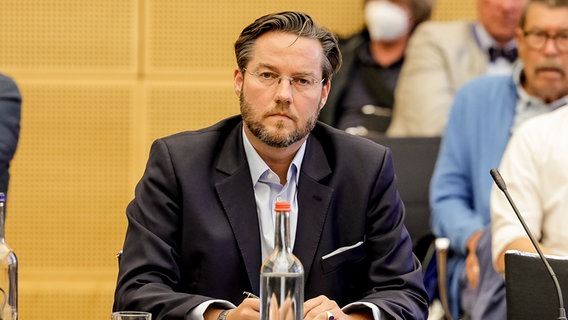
550	47
284	89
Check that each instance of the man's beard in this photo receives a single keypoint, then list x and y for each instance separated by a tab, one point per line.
550	93
276	140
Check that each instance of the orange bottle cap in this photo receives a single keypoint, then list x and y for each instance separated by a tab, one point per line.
282	206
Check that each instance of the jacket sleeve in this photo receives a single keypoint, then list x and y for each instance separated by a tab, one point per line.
399	289
148	279
10	113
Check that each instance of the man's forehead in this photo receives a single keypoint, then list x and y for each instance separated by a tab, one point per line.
277	46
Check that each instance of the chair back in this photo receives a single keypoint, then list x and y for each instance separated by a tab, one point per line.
414	159
530	289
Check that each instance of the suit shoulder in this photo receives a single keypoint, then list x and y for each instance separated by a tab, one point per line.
441	29
8	85
345	155
207	140
481	84
480	96
222	127
4	79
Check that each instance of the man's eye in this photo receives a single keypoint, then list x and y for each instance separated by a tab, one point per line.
267	75
303	81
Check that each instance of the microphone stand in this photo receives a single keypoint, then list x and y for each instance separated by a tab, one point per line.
501	184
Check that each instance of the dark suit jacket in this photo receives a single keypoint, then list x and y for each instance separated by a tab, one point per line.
193	230
10	112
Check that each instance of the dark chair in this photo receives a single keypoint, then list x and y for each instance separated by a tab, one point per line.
414	160
530	290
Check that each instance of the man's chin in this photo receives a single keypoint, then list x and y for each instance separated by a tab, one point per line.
278	141
551	93
281	138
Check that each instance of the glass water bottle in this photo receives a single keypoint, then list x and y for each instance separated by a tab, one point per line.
8	272
282	274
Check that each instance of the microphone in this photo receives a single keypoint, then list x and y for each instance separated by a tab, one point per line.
501	184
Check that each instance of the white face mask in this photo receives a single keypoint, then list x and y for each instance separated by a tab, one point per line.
385	20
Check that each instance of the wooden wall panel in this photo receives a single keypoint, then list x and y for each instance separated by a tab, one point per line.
69	36
197	37
70	177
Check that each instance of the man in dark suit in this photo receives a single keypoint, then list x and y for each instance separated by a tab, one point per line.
200	224
10	112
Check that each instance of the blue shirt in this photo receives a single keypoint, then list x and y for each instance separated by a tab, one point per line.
268	190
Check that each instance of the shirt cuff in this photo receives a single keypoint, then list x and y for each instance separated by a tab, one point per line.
197	312
377	314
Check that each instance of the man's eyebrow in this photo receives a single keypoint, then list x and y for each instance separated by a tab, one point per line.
274	69
267	66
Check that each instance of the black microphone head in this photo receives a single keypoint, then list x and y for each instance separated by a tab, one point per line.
498	179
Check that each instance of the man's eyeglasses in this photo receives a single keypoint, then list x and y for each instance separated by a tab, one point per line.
537	39
300	83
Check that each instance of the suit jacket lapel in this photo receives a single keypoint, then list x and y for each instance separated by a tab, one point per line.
480	58
236	194
313	203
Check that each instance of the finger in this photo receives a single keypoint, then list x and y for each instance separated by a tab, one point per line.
286	311
313	302
273	312
252	303
317	308
311	306
329	315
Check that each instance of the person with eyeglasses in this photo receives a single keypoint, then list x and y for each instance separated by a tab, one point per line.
300	82
485	113
534	162
444	55
201	222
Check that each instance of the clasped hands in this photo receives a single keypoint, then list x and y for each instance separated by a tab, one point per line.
318	308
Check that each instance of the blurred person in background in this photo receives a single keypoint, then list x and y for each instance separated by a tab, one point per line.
535	161
535	170
486	111
362	95
10	113
442	56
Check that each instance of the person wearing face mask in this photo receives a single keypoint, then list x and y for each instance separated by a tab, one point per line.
444	55
361	99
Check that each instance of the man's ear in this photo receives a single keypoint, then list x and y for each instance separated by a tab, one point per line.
325	94
238	81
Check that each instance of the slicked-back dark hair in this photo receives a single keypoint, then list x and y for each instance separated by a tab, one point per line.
294	22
